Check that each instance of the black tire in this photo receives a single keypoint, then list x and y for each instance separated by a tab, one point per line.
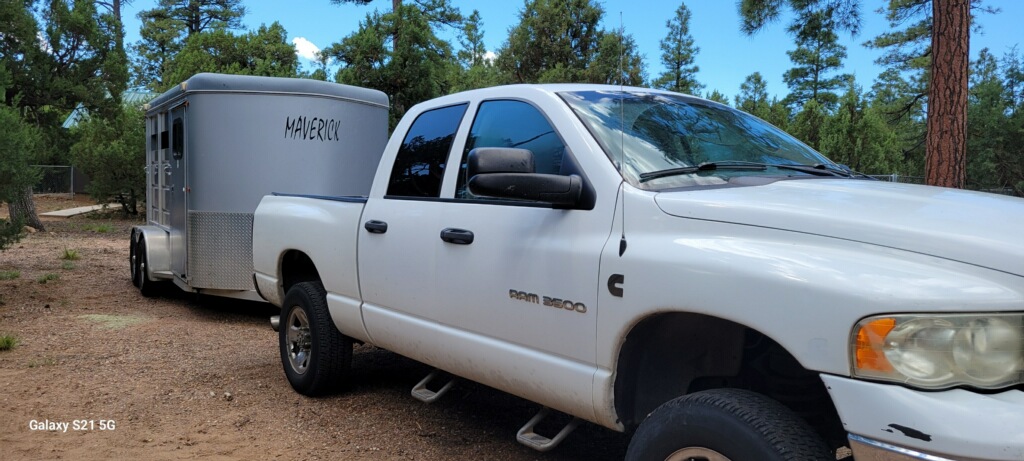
133	264
147	287
736	424
316	357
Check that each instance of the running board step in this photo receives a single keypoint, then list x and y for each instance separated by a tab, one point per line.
421	393
528	437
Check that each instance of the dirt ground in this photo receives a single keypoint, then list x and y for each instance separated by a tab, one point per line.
178	377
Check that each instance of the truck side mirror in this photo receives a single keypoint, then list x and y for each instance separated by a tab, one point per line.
509	173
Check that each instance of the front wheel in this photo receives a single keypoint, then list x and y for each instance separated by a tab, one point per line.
315	355
725	425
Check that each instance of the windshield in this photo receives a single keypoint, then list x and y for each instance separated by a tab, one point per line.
696	142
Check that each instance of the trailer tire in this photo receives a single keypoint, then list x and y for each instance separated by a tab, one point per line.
725	424
133	264
147	287
316	357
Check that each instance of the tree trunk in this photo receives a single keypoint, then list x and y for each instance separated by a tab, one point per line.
23	209
946	140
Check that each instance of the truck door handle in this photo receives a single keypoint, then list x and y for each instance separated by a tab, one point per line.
457	236
376	227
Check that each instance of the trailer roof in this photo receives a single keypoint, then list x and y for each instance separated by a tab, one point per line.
223	83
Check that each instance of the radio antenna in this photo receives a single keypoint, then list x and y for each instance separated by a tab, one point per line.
622	131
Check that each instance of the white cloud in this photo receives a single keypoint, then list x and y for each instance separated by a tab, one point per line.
44	44
305	48
490	57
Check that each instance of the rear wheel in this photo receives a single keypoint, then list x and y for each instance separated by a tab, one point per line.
725	425
147	287
133	264
315	355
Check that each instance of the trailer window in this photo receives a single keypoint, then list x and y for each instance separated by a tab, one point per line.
178	133
165	140
420	163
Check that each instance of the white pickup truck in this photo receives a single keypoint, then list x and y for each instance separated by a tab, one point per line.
649	261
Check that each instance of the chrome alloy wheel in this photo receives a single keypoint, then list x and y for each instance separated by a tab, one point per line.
299	341
696	454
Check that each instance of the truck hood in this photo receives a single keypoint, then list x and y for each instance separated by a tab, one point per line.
971	227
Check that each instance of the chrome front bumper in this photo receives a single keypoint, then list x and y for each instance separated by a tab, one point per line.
865	449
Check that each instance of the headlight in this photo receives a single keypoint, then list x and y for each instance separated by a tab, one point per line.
939	351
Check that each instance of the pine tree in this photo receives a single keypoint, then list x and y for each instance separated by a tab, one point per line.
410	70
50	67
1011	164
473	51
946	141
753	97
948	29
809	123
717	96
437	11
857	136
18	141
554	41
817	56
474	69
616	62
677	55
264	51
165	29
115	69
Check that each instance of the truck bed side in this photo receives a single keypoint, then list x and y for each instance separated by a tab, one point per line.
314	237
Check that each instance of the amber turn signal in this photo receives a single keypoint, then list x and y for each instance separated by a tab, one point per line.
870	341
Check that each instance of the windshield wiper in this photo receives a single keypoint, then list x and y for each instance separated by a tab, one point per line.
706	166
818	169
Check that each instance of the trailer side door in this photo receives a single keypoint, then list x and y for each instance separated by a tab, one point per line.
178	184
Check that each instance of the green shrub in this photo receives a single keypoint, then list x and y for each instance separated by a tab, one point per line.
67	265
48	278
102	228
70	255
8	342
112	152
9	275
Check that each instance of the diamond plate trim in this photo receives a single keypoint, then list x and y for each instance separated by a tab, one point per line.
220	250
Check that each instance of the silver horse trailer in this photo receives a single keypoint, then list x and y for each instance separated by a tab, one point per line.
216	144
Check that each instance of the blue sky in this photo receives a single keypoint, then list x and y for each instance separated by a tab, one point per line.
726	56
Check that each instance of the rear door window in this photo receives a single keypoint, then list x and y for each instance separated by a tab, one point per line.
420	164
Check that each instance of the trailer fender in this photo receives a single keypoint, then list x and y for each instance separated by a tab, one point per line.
158	251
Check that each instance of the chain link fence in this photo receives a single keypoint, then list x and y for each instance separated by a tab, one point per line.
56	179
899	178
920	180
60	179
